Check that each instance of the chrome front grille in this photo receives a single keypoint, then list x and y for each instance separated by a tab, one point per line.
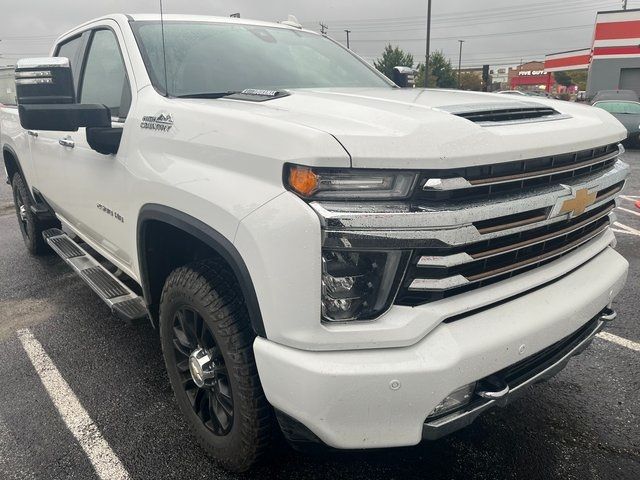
492	181
464	241
433	277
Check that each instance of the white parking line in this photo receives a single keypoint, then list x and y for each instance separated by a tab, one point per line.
105	462
627	210
631	198
628	229
622	231
610	337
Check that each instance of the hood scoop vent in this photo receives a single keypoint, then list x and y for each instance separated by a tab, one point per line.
495	114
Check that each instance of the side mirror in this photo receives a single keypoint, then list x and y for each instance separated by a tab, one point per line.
404	77
47	100
104	140
44	80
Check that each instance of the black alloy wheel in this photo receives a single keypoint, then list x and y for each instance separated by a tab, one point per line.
203	371
31	227
207	344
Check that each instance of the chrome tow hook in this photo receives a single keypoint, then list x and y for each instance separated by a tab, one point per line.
608	315
493	388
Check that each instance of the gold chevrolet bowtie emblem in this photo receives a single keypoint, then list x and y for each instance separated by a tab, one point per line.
577	205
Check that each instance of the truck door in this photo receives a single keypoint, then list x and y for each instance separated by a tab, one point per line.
48	177
96	196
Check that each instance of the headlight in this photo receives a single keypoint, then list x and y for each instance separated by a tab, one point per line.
349	184
359	285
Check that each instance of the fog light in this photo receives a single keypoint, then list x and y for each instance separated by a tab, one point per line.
454	400
359	285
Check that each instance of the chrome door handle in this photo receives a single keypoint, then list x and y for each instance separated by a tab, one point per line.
67	142
33	133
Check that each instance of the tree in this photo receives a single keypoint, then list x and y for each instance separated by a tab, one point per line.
470	81
563	78
573	77
441	73
393	57
579	77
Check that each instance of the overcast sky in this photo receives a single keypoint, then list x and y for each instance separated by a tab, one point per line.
497	32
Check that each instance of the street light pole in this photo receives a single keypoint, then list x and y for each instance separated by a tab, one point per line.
460	62
348	32
426	63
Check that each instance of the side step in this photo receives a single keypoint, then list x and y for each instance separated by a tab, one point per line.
124	303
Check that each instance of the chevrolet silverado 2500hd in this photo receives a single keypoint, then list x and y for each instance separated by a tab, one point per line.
359	265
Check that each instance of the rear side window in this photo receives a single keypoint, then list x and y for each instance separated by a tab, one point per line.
7	86
104	80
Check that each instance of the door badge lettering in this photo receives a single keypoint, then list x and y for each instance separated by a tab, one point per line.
162	122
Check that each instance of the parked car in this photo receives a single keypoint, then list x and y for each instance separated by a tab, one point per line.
628	112
512	92
625	95
359	265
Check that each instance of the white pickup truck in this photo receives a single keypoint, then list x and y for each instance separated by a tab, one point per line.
358	265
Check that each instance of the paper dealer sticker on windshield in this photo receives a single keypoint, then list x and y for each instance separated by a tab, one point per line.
162	122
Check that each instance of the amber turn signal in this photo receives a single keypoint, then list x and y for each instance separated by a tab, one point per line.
303	180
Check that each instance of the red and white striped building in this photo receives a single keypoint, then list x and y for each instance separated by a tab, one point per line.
614	57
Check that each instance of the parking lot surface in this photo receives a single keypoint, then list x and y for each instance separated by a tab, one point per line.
582	424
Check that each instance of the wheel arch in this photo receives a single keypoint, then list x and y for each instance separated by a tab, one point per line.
12	163
155	213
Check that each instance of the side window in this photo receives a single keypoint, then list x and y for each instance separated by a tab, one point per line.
70	49
104	80
7	86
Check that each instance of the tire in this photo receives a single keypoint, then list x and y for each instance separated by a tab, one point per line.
30	227
202	309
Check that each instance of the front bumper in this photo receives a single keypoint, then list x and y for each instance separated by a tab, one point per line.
381	397
535	369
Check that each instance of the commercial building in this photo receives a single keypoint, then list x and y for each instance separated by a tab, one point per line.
614	57
615	61
530	76
499	78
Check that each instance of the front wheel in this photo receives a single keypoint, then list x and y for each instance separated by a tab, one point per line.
30	227
207	344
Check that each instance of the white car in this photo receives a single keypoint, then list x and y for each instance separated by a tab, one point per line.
359	265
512	92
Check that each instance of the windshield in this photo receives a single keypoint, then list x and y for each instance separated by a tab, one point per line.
221	57
619	107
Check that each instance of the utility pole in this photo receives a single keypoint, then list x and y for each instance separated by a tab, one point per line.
348	32
428	46
323	28
460	63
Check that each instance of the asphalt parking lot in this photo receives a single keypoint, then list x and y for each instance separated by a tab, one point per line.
583	424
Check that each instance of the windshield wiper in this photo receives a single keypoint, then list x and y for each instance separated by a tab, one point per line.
208	95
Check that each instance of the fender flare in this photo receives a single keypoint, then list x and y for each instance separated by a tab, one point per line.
12	152
209	236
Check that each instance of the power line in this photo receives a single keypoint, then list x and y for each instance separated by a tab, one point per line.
460	24
498	12
481	35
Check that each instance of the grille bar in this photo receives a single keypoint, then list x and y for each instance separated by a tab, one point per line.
462	258
543	173
499	179
430	284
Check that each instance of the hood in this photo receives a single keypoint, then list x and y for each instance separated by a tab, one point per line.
417	128
630	121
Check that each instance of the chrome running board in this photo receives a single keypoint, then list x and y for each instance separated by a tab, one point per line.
124	303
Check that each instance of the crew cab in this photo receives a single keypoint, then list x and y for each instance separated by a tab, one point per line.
322	252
